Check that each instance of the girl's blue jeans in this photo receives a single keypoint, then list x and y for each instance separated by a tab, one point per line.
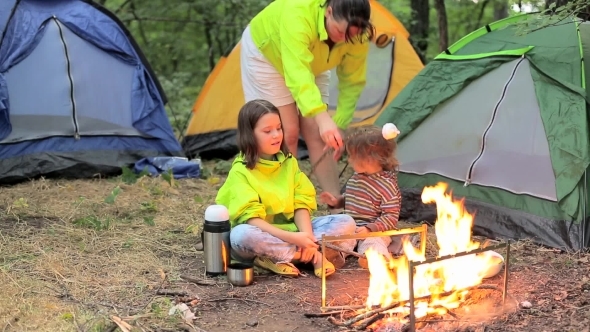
249	241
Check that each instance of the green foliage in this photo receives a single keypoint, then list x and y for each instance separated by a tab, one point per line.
110	199
149	220
168	176
184	39
94	222
130	177
222	167
554	14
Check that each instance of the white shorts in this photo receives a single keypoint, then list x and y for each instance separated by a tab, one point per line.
260	80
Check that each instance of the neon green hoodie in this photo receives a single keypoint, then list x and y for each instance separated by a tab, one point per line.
272	191
291	35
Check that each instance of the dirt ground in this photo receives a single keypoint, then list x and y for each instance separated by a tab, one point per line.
80	255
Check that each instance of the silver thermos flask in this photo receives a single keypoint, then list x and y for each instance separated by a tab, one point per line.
215	238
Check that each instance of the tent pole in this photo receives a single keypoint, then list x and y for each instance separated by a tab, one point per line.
8	21
583	232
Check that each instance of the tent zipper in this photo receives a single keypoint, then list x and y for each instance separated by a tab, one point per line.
74	111
494	113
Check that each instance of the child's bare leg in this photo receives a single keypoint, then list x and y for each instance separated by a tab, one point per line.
378	244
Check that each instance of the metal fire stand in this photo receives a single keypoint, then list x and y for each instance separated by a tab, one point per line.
422	229
413	264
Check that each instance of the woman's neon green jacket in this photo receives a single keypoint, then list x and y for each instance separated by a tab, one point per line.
291	34
272	191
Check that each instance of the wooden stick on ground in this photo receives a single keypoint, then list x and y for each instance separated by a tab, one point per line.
363	315
325	314
197	281
124	326
171	293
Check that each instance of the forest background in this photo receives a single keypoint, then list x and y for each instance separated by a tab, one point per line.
184	39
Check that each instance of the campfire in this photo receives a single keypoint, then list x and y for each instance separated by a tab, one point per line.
414	286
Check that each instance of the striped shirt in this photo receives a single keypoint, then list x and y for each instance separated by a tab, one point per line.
373	200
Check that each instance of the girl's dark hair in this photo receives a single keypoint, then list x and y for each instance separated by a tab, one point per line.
367	142
357	13
248	117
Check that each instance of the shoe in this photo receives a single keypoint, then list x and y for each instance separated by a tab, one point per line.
335	257
284	269
330	269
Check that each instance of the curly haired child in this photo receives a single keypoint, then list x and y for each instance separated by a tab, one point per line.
372	196
270	201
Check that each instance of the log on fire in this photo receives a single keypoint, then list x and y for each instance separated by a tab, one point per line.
371	314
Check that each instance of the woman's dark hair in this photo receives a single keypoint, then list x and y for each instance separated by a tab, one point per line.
248	117
357	13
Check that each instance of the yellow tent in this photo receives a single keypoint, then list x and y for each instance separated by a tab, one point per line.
392	63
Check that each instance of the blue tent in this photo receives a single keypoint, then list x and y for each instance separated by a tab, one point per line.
77	96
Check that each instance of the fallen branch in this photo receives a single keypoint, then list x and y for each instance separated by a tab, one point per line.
206	282
172	293
121	324
136	317
9	323
362	316
190	327
238	299
322	314
487	286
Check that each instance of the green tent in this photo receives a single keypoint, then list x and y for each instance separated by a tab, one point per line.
501	117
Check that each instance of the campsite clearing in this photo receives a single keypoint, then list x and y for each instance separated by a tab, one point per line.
76	253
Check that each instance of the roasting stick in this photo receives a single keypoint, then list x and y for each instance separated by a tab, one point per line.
335	247
322	157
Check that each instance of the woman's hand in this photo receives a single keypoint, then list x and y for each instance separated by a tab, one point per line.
330	133
328	198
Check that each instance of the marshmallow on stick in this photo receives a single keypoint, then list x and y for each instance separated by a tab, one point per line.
390	131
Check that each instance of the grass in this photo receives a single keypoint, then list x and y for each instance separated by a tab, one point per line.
75	252
71	252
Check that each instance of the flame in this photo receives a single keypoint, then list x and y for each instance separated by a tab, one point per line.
443	282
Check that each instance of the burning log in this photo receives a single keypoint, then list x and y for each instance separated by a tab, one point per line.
369	314
460	265
367	322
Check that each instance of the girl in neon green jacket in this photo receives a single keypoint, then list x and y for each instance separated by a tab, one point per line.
270	201
287	52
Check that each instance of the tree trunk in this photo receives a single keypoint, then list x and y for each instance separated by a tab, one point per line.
482	7
208	30
500	9
419	27
443	30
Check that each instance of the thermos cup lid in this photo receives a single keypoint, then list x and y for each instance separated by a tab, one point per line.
216	213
